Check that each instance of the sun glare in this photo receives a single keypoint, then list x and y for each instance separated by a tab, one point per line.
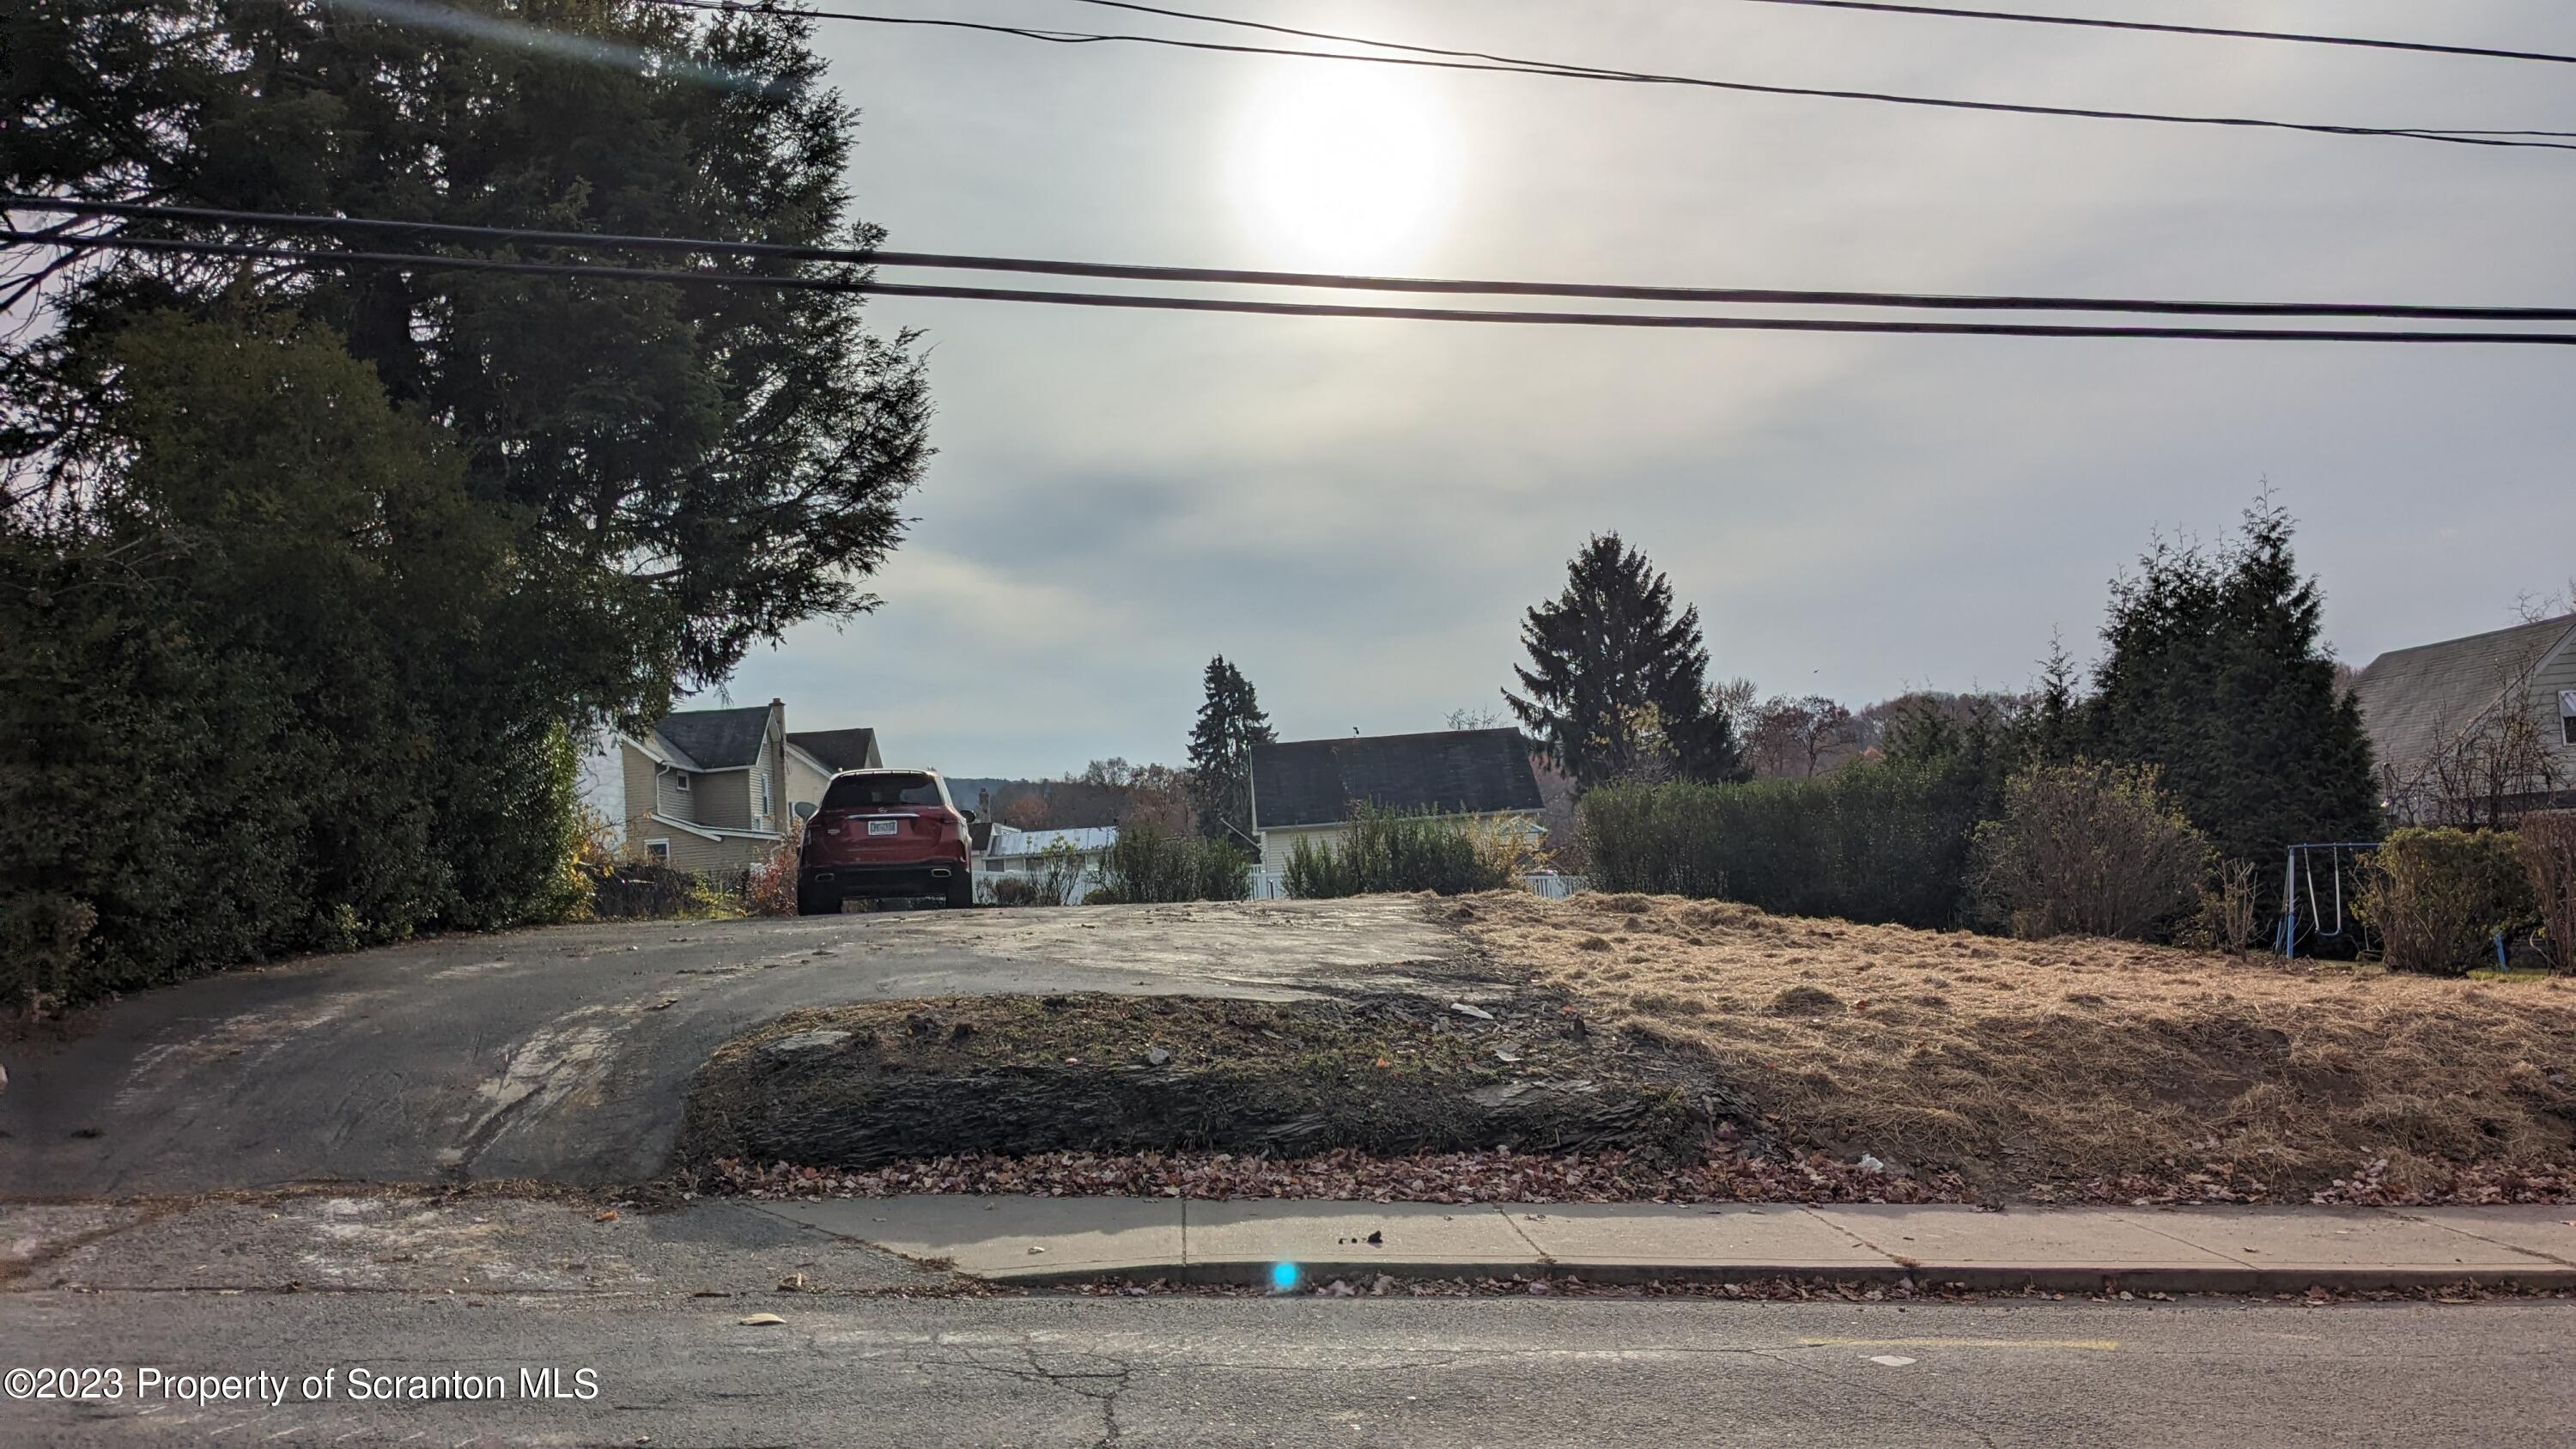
1344	167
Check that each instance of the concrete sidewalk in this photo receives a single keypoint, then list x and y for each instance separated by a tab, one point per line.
1038	1241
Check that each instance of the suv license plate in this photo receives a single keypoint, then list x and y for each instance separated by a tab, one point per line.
884	827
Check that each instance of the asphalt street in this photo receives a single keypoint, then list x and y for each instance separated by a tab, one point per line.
563	1054
1050	1371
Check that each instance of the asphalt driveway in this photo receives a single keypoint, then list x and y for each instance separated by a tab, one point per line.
562	1054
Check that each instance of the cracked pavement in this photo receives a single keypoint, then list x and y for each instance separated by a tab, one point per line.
1074	1371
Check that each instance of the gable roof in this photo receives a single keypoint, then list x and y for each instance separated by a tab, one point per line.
716	739
1316	782
838	749
2415	701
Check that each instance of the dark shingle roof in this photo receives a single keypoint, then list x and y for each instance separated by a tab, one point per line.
838	749
717	739
2415	701
1315	782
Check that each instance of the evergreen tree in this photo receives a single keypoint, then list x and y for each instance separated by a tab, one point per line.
1230	724
2215	675
2052	726
1618	683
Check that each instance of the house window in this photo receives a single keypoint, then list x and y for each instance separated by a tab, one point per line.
680	782
2567	716
658	851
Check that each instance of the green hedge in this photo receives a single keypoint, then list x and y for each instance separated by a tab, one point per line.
1392	850
2437	898
1149	866
1871	842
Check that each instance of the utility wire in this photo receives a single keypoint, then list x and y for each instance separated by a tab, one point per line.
1702	321
945	261
1430	58
1946	12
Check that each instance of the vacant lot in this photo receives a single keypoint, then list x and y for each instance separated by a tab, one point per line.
2076	1067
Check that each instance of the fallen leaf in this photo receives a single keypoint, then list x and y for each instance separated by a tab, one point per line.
604	1215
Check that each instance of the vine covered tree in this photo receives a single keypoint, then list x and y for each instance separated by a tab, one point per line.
1616	687
1230	723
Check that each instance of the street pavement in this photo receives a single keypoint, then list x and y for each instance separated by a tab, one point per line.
563	1054
1307	1371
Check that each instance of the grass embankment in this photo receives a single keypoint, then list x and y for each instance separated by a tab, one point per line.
2076	1067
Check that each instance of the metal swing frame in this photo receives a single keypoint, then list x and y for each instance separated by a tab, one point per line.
2303	858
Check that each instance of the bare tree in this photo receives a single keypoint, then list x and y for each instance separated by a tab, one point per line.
2490	770
1797	736
1487	718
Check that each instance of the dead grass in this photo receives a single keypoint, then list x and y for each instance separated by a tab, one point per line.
2029	1065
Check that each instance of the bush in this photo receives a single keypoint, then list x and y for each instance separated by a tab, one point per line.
2087	850
1150	865
1871	842
2438	898
2547	845
641	890
769	887
1011	890
1393	850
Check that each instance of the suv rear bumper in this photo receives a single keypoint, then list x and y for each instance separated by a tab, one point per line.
914	878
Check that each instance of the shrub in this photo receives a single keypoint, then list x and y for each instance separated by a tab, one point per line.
1395	850
2226	918
1011	890
769	887
633	890
2437	898
2547	845
2087	850
1150	865
1871	842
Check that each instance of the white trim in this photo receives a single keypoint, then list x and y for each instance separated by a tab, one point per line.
1529	815
665	843
710	832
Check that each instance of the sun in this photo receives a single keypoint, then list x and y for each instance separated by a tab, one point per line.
1344	167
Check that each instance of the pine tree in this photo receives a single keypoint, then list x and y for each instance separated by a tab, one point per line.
2215	675
1618	683
2052	727
1230	724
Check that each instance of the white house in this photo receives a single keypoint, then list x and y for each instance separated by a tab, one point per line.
1307	789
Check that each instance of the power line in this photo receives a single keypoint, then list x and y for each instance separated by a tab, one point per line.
671	275
945	261
1432	58
1946	12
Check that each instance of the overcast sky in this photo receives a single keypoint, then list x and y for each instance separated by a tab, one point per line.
1357	511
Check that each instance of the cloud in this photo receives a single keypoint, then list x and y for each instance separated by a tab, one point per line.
1358	511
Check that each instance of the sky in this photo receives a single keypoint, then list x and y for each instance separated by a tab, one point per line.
1357	512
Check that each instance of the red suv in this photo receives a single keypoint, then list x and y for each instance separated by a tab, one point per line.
884	833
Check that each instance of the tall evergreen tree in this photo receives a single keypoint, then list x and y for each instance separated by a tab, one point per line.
1230	723
2215	674
1617	684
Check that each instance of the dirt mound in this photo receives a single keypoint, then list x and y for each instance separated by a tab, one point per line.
863	1086
2038	1067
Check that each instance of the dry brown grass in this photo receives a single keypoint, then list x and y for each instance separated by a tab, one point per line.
2029	1064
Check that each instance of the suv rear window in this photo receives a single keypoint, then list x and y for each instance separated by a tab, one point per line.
861	791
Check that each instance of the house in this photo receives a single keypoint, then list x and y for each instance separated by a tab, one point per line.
715	789
1307	789
2470	730
815	756
1034	852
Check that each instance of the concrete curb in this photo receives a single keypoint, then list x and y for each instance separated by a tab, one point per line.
1057	1242
1975	1278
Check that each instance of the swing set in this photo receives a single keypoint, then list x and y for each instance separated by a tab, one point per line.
2321	923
